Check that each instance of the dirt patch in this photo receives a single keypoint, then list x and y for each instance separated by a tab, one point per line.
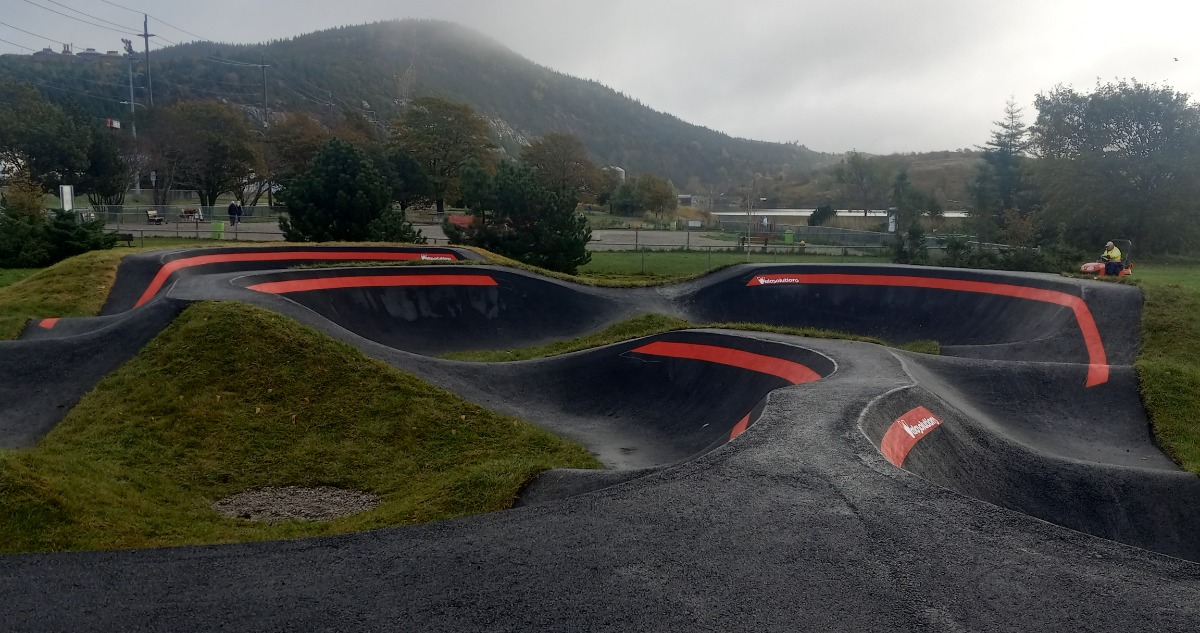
295	503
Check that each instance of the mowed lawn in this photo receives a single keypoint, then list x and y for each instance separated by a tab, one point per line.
667	266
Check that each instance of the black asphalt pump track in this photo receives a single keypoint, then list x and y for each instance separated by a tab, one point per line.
753	480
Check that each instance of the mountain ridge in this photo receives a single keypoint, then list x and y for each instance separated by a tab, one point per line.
375	69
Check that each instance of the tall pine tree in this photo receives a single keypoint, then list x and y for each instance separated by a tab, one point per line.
516	216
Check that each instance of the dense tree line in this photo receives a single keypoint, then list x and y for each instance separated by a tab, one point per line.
1120	162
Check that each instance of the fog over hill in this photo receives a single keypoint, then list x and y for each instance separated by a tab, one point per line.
375	69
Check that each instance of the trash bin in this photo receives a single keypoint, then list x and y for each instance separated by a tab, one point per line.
218	230
789	237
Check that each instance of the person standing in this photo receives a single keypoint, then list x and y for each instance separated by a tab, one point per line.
235	213
1112	259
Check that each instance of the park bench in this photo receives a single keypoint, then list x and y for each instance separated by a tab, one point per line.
745	241
154	217
125	237
191	215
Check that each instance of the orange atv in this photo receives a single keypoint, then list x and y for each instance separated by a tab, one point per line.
1098	267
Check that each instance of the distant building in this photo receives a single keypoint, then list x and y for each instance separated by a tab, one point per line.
620	173
68	51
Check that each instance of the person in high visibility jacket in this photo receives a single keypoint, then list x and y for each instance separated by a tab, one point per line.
1112	259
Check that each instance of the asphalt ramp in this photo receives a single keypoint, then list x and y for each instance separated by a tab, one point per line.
1030	439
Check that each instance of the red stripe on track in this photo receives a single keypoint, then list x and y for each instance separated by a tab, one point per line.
740	427
903	435
48	323
176	265
372	281
1097	360
794	373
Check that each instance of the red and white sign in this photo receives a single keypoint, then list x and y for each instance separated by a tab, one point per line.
904	434
773	280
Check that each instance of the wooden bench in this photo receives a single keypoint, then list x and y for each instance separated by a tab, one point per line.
125	237
154	217
191	215
742	241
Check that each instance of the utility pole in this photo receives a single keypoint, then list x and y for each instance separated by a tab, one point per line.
129	57
137	182
266	112
146	35
266	119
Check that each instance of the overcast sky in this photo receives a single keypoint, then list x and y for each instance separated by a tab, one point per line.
879	76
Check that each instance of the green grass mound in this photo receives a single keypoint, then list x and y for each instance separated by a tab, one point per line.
233	398
70	288
1169	370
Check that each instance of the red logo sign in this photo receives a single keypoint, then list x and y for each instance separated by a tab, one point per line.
904	434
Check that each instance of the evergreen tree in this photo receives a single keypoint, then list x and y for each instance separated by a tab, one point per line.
29	240
821	215
393	226
515	216
1002	184
909	204
336	199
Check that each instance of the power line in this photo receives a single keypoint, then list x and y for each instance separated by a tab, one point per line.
279	67
30	33
18	45
201	38
229	62
325	101
305	96
127	32
121	7
82	13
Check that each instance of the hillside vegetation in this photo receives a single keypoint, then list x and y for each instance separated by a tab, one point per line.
375	69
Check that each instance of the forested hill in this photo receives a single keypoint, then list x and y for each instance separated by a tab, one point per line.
373	69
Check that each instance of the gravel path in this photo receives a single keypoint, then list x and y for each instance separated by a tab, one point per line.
295	503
